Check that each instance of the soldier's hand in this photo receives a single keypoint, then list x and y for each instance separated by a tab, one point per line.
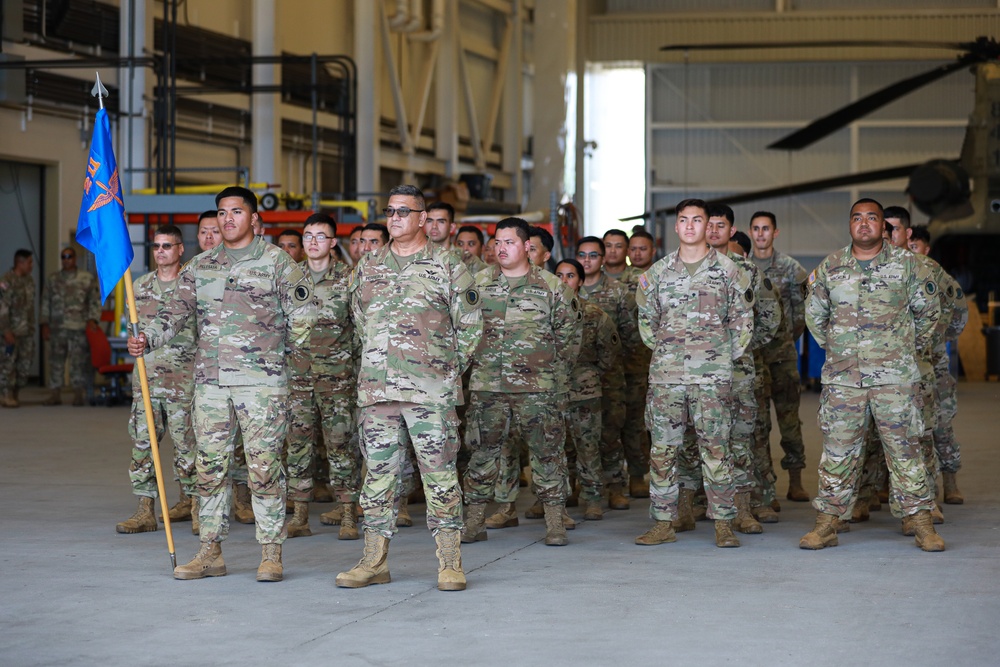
45	332
9	338
137	346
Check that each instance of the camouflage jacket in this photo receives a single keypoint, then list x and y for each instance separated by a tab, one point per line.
473	263
600	347
615	299
18	294
332	343
170	368
697	326
253	316
531	334
627	276
872	323
766	315
959	307
70	299
789	278
418	326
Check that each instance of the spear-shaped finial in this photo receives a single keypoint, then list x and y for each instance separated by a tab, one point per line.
99	91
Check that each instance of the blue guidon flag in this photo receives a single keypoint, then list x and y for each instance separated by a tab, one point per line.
101	228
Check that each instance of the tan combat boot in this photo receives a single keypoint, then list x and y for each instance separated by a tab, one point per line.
745	522
449	553
765	514
874	504
298	525
475	518
242	506
372	568
321	493
923	529
555	527
270	563
348	523
10	399
592	511
195	519
403	518
724	537
206	563
55	398
824	534
937	516
661	533
638	487
568	521
685	511
616	498
795	491
861	510
907	526
952	496
143	521
332	518
181	511
573	499
536	511
504	517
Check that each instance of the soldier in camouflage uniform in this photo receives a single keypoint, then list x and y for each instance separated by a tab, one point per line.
945	445
469	241
873	308
417	313
615	254
752	470
696	314
332	382
17	324
614	299
71	302
170	372
600	347
253	310
520	373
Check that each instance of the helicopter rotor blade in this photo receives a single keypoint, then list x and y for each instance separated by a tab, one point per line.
835	44
796	188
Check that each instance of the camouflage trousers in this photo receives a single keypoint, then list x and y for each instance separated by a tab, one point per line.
69	345
635	437
845	415
785	393
669	410
539	419
238	471
433	430
612	422
171	415
875	469
583	425
947	448
261	414
15	364
336	421
514	455
762	492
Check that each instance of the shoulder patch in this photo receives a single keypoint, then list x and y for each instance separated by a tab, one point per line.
301	293
748	295
574	303
812	277
768	285
930	287
644	282
472	296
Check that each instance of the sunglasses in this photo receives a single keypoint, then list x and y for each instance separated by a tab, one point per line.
402	211
66	256
165	246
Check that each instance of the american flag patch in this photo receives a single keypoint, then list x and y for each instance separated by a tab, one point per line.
644	283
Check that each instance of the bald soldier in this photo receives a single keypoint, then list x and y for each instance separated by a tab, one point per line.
253	309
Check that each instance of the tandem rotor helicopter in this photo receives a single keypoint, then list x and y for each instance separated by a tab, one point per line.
960	196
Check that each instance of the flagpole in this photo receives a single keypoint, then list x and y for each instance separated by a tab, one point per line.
140	368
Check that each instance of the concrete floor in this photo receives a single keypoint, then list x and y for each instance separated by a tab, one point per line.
73	592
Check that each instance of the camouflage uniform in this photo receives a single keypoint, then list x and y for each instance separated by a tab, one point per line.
600	348
789	278
698	327
520	373
329	388
614	299
170	373
945	444
419	322
69	300
18	296
873	324
635	357
253	316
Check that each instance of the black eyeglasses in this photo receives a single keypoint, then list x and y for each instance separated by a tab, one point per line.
66	256
588	255
403	211
319	238
165	246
